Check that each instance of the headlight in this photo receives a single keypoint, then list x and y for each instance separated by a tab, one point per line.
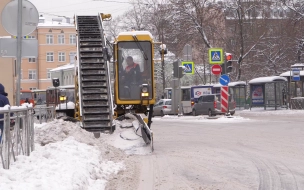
144	94
62	98
144	89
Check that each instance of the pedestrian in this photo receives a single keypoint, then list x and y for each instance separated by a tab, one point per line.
27	101
3	101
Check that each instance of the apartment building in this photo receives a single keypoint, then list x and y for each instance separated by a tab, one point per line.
7	64
57	47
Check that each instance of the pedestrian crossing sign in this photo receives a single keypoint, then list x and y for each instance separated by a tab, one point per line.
216	56
188	67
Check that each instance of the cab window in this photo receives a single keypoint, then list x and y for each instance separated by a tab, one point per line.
134	69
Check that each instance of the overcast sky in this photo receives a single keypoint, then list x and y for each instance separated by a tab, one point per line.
81	7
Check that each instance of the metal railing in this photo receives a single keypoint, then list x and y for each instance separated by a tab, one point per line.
18	139
297	103
44	114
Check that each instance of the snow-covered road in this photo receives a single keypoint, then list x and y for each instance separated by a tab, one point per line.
253	150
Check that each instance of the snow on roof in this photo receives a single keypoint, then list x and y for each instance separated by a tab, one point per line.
298	65
236	83
137	33
63	87
54	24
267	80
64	67
217	85
289	73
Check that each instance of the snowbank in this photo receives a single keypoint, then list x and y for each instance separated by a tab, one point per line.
65	158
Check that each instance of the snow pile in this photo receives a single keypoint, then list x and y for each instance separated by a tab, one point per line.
65	158
58	130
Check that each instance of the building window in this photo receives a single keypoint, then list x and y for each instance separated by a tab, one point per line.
48	71
72	57
32	74
33	88
21	75
61	39
61	56
49	56
72	39
49	39
32	60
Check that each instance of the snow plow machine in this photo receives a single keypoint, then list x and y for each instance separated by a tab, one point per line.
97	104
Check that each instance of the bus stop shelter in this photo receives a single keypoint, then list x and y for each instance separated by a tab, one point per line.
295	86
237	91
268	92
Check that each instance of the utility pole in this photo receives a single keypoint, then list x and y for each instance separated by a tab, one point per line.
19	52
163	47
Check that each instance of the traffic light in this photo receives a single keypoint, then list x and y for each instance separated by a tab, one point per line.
228	63
178	71
56	82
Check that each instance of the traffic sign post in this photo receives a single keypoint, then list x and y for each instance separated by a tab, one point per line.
224	80
224	99
296	74
187	53
216	69
216	56
19	18
189	67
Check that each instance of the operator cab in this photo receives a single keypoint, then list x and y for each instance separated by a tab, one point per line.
134	74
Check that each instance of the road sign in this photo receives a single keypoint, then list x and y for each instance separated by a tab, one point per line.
30	17
224	99
187	53
224	80
8	47
216	69
216	56
296	74
189	67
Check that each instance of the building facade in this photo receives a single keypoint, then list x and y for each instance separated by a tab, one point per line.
56	47
7	64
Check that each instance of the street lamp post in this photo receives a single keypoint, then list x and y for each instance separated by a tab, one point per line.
163	51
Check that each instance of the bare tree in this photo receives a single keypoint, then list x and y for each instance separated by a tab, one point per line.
297	15
202	26
244	27
113	27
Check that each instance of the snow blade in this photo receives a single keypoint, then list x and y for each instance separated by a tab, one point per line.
146	133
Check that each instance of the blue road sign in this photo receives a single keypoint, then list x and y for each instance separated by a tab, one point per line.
189	67
224	80
296	74
216	56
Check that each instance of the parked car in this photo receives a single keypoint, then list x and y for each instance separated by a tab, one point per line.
162	107
211	105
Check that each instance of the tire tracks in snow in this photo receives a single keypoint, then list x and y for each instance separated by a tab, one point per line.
274	175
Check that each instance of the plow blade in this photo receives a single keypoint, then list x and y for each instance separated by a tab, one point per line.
146	132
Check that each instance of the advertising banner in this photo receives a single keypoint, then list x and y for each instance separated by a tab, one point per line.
257	95
201	91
